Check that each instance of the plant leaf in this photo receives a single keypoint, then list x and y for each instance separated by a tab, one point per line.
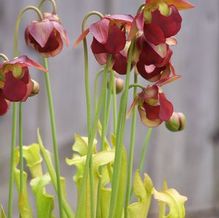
33	158
2	212
143	191
44	201
174	200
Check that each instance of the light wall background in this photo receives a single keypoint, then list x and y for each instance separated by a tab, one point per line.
189	160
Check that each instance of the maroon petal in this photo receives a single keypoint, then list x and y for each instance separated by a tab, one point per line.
152	112
116	40
120	63
100	30
166	108
97	48
4	104
154	34
40	31
14	89
169	24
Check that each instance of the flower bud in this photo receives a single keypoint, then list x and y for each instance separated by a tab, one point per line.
119	83
35	89
177	122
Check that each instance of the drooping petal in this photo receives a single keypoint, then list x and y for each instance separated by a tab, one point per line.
166	108
169	24
146	121
120	18
154	34
97	47
14	89
116	40
62	32
4	104
24	61
100	30
40	31
81	37
120	63
180	4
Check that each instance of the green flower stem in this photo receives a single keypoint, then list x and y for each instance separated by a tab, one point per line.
144	150
20	15
114	104
135	85
96	86
14	113
86	68
131	151
91	132
52	173
53	2
21	146
106	106
13	144
119	136
88	166
54	137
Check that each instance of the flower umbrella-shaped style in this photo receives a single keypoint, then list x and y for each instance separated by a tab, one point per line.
153	106
15	81
109	38
46	36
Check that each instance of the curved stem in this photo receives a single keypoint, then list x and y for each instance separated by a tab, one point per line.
29	7
4	57
144	150
54	136
53	5
13	144
131	151
14	113
91	132
119	137
86	68
136	85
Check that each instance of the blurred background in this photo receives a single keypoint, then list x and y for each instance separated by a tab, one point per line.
188	160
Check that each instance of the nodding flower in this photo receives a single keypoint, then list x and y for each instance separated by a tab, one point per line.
16	84
46	36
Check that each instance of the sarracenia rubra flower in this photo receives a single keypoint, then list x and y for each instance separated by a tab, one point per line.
46	36
154	61
15	82
153	106
109	38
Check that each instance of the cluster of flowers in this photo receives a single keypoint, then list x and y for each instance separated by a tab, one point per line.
153	29
46	36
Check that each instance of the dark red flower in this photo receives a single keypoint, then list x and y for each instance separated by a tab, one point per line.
15	82
162	27
153	62
153	106
46	36
109	38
